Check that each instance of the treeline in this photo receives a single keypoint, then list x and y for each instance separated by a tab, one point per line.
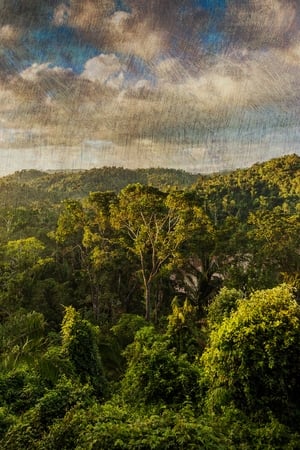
33	186
159	314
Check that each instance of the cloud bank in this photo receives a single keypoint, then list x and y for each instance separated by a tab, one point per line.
160	77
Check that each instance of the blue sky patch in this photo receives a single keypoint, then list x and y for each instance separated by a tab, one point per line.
59	46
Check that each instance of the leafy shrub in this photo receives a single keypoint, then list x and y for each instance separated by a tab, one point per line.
223	305
156	374
120	428
253	358
28	431
79	342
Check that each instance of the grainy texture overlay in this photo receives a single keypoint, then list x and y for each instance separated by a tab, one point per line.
202	85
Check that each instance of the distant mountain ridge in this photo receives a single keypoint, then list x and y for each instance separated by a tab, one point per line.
34	186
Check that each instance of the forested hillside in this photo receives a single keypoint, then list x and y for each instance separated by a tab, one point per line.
29	186
151	309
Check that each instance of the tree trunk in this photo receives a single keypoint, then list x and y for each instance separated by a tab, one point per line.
95	298
147	302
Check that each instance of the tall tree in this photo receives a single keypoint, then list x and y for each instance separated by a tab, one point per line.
154	227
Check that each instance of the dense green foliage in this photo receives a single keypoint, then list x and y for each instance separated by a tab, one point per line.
150	309
253	357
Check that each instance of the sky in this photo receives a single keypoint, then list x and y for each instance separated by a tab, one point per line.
202	85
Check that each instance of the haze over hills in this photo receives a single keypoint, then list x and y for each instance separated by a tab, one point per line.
29	186
97	154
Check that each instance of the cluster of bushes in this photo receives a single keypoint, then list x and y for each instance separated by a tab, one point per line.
239	390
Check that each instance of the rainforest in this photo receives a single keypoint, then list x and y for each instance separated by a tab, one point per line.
150	309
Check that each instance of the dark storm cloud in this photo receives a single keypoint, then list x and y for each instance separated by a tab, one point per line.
190	30
17	19
27	13
262	23
150	29
146	28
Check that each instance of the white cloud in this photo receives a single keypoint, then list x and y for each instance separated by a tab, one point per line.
119	18
143	85
8	35
290	56
244	79
170	70
38	71
128	35
61	14
105	69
